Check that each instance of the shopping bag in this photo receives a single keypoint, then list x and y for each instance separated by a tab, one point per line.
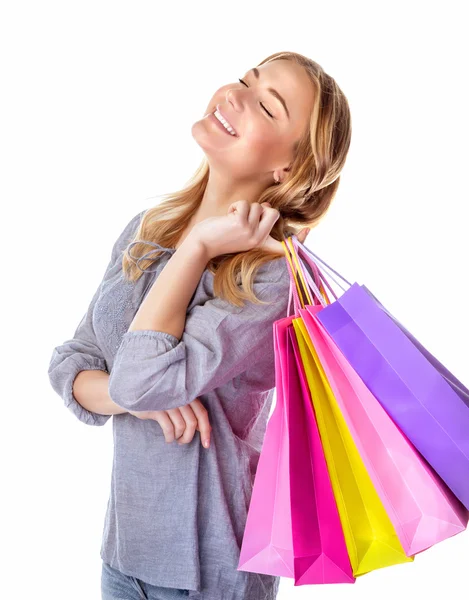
422	509
293	527
319	545
267	545
427	402
371	539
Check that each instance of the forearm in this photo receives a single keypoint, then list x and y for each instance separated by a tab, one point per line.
165	306
90	389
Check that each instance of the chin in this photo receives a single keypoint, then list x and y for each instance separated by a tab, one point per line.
198	134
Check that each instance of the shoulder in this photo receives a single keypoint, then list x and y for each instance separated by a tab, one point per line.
132	225
127	232
134	222
271	285
273	271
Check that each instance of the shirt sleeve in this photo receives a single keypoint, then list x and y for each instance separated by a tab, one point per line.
82	352
154	370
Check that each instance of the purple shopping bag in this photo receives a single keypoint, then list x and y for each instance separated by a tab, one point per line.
426	401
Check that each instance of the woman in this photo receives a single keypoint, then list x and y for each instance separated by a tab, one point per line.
171	345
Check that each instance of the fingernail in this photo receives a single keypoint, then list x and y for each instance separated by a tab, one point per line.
206	443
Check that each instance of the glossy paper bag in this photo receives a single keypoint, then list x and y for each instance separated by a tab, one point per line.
319	545
293	527
427	403
425	400
421	507
371	538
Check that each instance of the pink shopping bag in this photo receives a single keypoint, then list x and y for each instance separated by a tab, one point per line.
293	527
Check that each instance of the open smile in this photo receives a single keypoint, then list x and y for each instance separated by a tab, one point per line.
212	117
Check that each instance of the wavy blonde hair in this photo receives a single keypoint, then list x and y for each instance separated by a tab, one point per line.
302	200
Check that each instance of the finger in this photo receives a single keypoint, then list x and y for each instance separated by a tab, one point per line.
240	207
178	420
266	206
255	213
166	425
203	421
268	219
190	424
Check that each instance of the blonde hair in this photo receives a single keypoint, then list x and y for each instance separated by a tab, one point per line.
302	200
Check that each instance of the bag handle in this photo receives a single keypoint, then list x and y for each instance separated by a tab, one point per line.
298	271
313	257
292	255
309	261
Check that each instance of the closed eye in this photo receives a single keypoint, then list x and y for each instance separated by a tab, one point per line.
271	116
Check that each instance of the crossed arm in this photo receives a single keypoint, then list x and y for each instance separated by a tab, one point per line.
164	309
168	357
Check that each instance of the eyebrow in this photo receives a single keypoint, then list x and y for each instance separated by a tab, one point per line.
272	91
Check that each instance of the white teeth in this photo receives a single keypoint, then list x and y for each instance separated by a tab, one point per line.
224	122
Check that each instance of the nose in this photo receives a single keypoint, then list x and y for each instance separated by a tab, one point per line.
232	99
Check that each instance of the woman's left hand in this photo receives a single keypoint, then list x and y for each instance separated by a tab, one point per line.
180	424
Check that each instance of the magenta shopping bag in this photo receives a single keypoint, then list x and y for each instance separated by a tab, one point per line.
422	509
428	404
293	527
320	551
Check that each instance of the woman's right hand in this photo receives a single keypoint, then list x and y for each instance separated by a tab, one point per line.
245	226
180	423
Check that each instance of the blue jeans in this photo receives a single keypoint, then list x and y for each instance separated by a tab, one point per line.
117	586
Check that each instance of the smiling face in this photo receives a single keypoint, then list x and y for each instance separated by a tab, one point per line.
267	124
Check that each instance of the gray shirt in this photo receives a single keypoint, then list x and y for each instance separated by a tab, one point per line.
176	513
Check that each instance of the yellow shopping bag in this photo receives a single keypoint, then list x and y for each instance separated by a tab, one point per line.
371	539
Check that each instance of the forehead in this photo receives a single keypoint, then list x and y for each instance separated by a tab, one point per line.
283	72
292	82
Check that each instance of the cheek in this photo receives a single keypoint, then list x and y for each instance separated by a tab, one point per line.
258	133
260	145
262	140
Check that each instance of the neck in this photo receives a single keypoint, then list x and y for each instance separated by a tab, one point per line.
222	191
219	194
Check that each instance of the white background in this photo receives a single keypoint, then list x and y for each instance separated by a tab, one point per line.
97	104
